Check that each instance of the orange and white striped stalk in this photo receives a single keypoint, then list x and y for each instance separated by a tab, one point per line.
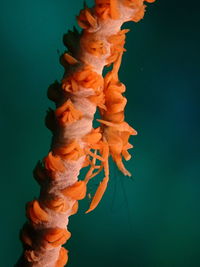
76	144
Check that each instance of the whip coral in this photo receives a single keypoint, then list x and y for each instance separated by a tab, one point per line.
76	144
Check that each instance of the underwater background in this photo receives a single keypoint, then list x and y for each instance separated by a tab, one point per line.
152	220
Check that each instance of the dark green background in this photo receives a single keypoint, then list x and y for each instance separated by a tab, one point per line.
152	221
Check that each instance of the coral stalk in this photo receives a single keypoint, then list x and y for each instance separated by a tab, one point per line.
76	144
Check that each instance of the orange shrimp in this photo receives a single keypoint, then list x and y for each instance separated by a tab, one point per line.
103	185
98	195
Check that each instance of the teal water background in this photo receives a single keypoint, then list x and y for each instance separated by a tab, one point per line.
152	221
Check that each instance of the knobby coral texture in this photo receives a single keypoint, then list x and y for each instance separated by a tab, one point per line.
75	143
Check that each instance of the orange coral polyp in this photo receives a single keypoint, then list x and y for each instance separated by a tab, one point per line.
114	12
139	14
117	45
53	163
107	9
115	118
67	113
71	151
58	204
35	213
102	11
76	191
117	105
70	59
133	3
63	257
84	78
31	256
25	237
86	19
74	208
115	102
57	236
150	1
94	46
